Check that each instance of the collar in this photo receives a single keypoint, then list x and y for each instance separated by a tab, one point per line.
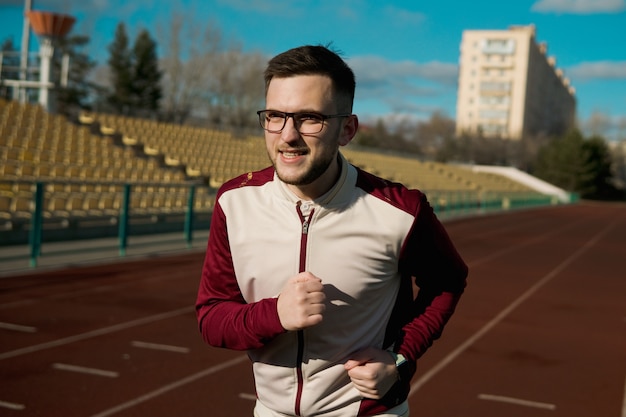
334	196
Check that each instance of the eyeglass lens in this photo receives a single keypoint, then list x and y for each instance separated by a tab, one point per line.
306	123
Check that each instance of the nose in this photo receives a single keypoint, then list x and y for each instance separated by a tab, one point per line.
290	130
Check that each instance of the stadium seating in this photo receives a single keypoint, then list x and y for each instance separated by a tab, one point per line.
82	171
84	165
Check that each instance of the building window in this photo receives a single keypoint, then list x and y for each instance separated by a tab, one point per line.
492	114
492	86
492	129
498	46
494	100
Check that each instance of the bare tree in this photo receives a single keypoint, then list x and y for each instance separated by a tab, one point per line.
598	124
189	54
430	135
237	88
208	77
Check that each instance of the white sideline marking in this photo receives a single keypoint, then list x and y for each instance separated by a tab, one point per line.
84	370
12	406
507	310
170	387
516	401
94	333
18	327
246	396
156	346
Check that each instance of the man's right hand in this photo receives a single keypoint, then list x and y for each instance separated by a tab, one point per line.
301	302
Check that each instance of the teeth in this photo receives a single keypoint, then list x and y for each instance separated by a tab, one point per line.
290	154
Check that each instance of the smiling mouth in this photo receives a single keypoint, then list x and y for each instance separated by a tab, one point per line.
293	153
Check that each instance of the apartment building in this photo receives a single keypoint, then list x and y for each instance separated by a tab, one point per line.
509	87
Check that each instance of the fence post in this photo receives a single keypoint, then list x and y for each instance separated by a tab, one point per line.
36	225
123	224
189	216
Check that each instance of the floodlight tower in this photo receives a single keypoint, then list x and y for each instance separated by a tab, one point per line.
49	27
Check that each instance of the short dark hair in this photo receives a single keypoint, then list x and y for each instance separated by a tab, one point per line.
315	60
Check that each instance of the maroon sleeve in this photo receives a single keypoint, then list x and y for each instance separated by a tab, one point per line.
440	275
224	317
428	257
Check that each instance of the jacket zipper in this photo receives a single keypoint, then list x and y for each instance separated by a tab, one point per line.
303	242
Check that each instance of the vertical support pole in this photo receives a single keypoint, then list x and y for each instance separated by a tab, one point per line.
46	51
123	223
189	216
65	70
25	48
36	225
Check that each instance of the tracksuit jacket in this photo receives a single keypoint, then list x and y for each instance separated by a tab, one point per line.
369	240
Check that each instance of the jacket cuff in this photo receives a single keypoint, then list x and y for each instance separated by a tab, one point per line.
399	392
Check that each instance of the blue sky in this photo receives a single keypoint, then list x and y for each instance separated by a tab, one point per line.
404	53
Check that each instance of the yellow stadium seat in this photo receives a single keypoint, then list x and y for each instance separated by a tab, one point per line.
21	207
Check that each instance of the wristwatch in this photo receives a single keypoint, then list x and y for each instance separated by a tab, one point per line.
401	363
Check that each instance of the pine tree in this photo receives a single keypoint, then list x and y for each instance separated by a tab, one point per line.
10	67
120	64
146	75
599	168
578	164
561	162
78	90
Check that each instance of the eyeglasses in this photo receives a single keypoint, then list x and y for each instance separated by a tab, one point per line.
307	123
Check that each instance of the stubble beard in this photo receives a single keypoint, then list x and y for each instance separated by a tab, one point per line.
311	173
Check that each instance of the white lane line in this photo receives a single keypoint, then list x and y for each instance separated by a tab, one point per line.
246	396
528	242
95	333
157	346
81	292
12	406
426	376
85	370
18	327
166	388
516	401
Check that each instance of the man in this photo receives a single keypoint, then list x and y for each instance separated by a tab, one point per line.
310	262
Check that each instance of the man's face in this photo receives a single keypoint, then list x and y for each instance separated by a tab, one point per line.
307	163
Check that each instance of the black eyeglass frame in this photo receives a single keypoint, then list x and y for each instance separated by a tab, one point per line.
295	117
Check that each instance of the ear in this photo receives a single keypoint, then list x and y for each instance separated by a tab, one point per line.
350	127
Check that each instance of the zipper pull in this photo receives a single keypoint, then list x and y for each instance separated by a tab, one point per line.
305	225
306	220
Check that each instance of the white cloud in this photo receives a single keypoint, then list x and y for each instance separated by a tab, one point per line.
603	70
404	87
274	7
579	6
376	69
403	17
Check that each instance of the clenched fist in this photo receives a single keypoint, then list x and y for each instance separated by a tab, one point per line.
372	371
301	302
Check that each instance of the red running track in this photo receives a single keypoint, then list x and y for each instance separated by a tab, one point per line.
541	331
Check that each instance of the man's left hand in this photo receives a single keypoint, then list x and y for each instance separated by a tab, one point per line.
373	372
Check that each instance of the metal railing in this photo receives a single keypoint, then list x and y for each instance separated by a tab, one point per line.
38	217
446	204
